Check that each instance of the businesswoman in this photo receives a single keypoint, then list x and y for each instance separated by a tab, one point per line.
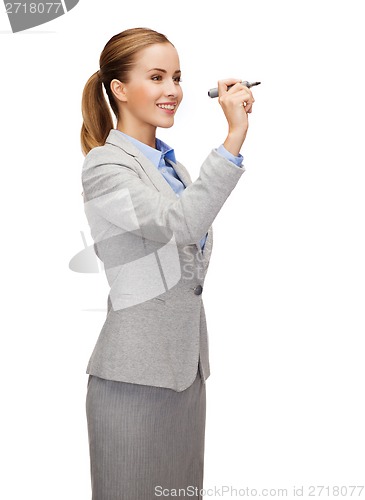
152	229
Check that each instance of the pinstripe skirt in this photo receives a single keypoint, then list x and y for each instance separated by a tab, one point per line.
145	442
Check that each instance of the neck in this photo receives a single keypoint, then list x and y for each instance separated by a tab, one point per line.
145	134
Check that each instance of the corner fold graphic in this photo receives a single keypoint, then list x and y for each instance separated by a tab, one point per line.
29	13
70	4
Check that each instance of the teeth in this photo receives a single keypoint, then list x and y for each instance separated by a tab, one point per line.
166	106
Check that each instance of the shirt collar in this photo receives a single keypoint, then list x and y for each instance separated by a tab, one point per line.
154	155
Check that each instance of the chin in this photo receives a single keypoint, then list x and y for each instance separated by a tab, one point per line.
166	125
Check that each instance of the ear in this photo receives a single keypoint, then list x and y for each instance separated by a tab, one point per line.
119	90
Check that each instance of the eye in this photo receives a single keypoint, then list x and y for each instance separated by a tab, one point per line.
177	79
156	78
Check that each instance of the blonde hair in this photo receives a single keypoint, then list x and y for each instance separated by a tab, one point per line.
116	60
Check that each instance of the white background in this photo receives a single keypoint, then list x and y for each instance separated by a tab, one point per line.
284	294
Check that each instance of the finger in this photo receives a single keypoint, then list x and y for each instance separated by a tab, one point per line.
249	92
247	104
240	95
224	84
237	87
241	101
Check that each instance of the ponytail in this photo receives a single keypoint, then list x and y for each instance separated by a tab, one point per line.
96	114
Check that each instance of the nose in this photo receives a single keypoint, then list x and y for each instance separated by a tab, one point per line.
171	89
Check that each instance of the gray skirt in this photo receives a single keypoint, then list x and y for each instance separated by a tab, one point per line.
145	442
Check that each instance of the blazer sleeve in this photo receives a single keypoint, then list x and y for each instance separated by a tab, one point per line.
114	191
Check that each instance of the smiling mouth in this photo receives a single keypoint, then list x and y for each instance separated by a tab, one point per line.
170	107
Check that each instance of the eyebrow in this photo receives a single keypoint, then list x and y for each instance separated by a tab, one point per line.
163	70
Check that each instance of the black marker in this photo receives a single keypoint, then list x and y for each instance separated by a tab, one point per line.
214	92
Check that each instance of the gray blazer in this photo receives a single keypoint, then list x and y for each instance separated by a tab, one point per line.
155	331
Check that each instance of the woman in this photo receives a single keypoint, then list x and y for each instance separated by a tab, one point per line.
152	229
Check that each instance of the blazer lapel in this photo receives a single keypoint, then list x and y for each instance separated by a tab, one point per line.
117	139
149	168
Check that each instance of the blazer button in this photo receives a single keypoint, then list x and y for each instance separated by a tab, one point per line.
198	290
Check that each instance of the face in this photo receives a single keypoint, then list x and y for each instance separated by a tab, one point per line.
153	93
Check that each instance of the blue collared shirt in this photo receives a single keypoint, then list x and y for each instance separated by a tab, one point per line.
163	151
